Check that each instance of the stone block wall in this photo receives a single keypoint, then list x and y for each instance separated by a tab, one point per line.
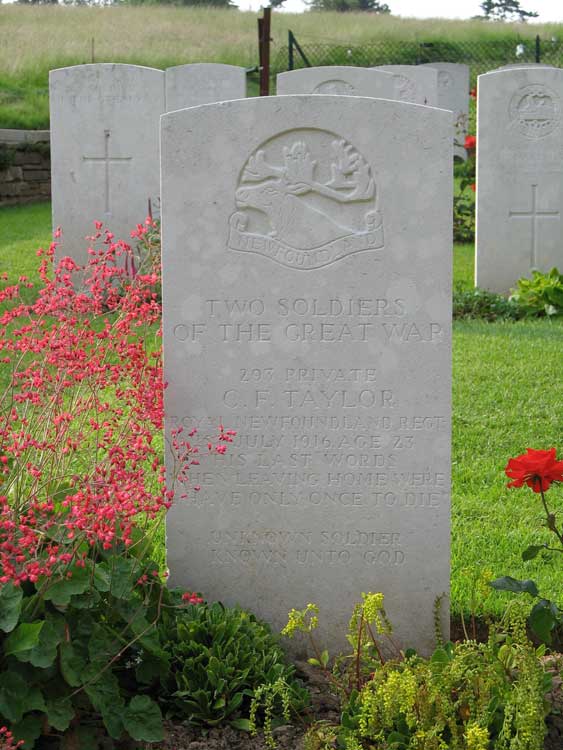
25	166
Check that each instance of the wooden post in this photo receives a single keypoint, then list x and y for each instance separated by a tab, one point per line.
264	51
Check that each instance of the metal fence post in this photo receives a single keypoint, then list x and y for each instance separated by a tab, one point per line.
538	48
290	50
264	25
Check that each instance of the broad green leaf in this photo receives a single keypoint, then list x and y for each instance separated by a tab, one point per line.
72	664
102	576
103	645
506	583
124	572
17	697
242	724
103	690
142	720
44	653
10	606
544	617
532	551
60	592
23	638
28	729
60	713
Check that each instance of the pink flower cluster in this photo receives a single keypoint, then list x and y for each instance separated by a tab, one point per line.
7	741
81	417
191	598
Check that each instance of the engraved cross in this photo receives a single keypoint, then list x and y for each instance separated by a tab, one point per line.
106	159
535	214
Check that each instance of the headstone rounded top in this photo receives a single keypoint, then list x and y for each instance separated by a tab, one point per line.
206	67
89	68
338	80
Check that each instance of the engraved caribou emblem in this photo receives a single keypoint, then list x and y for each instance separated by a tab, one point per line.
278	192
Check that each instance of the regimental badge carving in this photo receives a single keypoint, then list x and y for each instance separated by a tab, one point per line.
445	79
405	88
340	88
306	199
535	111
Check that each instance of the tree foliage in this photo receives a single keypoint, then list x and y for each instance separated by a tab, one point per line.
344	6
506	10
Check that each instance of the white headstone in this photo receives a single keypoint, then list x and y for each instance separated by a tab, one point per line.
306	287
511	66
453	94
519	175
340	80
414	83
104	149
203	83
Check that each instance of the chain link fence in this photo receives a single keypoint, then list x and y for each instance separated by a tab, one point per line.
481	56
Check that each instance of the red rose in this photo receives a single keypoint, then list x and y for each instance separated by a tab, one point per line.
538	469
470	142
473	92
473	186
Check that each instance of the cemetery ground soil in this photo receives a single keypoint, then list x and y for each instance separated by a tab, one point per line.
507	396
37	39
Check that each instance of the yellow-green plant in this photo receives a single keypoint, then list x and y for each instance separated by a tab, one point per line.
466	696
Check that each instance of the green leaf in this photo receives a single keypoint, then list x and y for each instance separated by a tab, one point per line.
142	720
23	638
102	577
72	664
28	729
532	551
324	658
440	658
506	583
397	740
544	617
60	712
103	690
44	653
103	645
313	662
242	724
60	592
10	606
123	571
17	697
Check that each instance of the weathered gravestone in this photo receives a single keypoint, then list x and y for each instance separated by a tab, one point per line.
104	149
511	66
453	94
306	288
339	80
414	83
519	175
203	83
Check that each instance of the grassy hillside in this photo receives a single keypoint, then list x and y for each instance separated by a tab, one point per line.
36	39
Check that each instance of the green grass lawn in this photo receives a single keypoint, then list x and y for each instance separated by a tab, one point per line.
507	396
40	37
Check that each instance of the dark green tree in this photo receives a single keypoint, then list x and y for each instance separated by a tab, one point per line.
506	10
343	6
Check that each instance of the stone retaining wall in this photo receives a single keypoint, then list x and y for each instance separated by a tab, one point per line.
25	166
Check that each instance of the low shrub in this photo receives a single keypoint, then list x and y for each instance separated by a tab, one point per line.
479	303
466	696
540	295
217	659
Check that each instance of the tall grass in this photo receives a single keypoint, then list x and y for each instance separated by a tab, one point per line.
38	38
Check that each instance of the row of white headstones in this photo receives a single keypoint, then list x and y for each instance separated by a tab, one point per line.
105	152
105	126
306	255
